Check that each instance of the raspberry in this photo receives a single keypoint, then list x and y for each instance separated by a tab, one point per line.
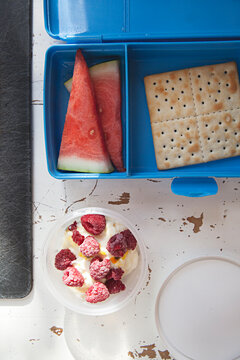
72	277
131	241
77	237
99	269
97	292
63	259
89	247
94	223
115	274
73	226
117	245
115	286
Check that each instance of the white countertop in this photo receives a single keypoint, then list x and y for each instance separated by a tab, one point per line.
162	218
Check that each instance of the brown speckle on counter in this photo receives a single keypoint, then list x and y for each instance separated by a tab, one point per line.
123	199
56	330
164	355
196	221
130	353
162	219
147	351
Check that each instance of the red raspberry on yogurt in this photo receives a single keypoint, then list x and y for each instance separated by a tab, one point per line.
96	293
115	286
63	259
89	247
99	268
77	237
72	277
93	223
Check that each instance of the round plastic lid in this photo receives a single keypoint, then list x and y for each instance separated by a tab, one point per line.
198	310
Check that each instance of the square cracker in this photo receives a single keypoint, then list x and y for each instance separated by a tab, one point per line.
169	95
220	135
176	143
215	87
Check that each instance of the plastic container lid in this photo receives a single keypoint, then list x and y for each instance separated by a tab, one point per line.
198	310
134	20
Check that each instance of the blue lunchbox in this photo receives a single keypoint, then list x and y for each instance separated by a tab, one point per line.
148	37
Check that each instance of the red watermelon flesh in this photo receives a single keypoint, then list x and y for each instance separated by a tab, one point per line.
107	85
83	147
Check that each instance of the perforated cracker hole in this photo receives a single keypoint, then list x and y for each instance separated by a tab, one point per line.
156	96
180	79
219	91
172	140
190	142
164	146
171	107
179	156
235	133
199	76
216	100
154	83
227	84
162	132
219	141
237	145
167	81
209	83
225	72
182	92
192	154
202	102
200	89
206	125
166	99
166	158
188	128
158	110
220	123
211	150
229	98
182	148
172	88
184	105
225	130
209	139
224	148
175	130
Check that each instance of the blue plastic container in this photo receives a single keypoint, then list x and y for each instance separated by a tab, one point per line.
147	37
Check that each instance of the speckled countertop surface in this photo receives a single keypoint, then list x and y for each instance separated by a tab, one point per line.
175	229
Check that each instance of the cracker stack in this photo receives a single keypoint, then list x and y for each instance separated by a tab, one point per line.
195	114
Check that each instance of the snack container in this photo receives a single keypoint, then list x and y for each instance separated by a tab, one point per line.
148	38
53	277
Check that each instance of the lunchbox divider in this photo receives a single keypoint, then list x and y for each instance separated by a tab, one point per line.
127	130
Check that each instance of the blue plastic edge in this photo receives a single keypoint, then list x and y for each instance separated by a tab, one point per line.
194	187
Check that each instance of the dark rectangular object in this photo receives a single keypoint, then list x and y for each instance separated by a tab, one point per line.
15	149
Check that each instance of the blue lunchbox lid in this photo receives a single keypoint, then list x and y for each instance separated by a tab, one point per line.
133	20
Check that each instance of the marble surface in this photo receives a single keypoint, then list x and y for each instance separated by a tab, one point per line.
175	229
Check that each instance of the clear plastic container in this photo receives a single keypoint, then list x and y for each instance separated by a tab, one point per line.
197	310
68	298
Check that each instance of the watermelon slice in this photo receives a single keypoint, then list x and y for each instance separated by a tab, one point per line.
107	86
83	148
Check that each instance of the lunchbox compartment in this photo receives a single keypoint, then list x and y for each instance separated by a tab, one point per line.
152	58
59	66
137	61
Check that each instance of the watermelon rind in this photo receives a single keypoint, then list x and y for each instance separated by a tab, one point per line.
74	163
107	66
68	84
